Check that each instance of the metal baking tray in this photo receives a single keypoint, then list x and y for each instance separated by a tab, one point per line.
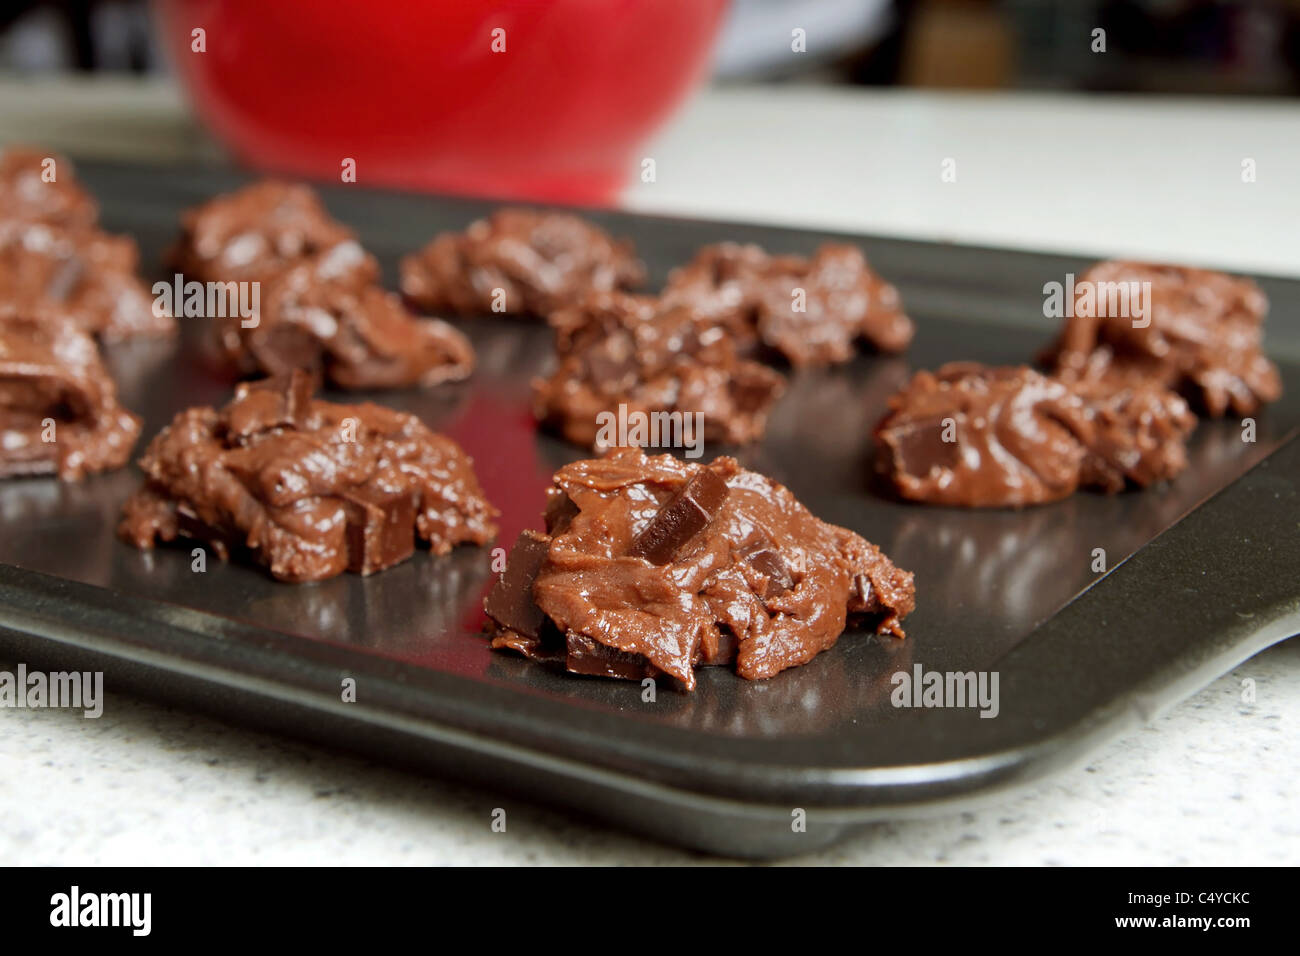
1202	574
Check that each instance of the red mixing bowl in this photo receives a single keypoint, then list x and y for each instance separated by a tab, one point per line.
415	93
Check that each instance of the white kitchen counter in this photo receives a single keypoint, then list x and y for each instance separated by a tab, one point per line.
1108	176
1213	781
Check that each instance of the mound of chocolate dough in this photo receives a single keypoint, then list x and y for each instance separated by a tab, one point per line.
55	259
307	487
653	565
1202	338
257	232
652	360
86	275
58	405
355	336
978	436
813	311
34	190
528	261
320	307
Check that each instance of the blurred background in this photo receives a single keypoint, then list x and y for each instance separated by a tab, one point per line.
1162	129
1156	46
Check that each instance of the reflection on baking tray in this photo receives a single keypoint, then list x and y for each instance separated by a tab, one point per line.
1017	568
854	677
76	531
826	417
403	611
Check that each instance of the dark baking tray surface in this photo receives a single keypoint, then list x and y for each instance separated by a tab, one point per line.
1195	585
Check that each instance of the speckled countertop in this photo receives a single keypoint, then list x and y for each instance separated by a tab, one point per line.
1214	780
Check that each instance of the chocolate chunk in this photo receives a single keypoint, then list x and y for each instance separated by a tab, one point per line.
381	527
586	656
863	593
918	446
510	602
767	561
539	261
58	405
1201	335
810	310
718	647
281	402
546	648
309	491
650	360
560	510
705	604
681	518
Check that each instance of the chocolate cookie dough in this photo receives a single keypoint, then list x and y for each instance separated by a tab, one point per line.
1202	338
653	565
58	406
977	436
54	258
352	336
257	232
652	360
811	311
85	275
39	186
320	308
307	487
539	261
980	436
